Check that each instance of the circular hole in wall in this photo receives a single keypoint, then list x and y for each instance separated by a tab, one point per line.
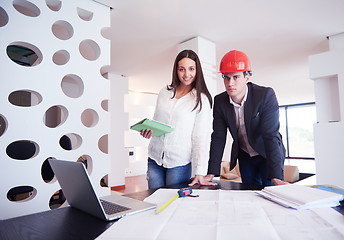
105	105
3	125
24	54
47	172
25	98
104	71
55	116
3	17
70	141
57	199
27	8
22	149
87	161
103	143
104	181
72	85
62	30
106	32
84	14
54	5
89	118
61	57
89	49
65	142
21	193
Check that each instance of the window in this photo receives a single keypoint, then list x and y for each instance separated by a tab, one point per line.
296	127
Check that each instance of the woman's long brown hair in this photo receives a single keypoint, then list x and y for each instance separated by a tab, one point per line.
199	83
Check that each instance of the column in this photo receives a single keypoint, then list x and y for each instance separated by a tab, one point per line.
327	71
206	51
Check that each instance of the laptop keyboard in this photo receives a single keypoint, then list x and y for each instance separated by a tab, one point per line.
112	208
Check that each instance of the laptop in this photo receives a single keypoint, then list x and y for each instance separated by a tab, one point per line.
79	192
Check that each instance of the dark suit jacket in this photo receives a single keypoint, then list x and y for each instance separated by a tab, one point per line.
261	112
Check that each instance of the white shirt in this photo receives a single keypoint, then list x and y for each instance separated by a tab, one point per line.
240	123
190	139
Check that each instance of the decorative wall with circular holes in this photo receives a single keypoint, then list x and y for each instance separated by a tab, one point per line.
26	8
61	57
3	125
54	5
89	118
3	18
24	54
16	98
89	49
72	85
52	99
62	30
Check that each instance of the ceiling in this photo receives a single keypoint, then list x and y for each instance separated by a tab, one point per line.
277	35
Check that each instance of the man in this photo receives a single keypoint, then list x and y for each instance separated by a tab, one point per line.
251	113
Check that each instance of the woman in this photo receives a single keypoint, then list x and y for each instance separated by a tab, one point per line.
185	105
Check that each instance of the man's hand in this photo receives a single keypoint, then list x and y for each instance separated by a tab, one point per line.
276	181
203	180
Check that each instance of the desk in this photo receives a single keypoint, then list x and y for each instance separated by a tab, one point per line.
63	223
225	185
68	223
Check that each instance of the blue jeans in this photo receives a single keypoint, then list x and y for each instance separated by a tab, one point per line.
253	170
159	176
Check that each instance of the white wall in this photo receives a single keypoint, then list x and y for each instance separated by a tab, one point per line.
139	106
119	124
326	70
66	35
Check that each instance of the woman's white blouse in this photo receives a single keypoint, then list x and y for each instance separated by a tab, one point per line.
190	139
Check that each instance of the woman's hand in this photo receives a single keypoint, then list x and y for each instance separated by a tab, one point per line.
146	133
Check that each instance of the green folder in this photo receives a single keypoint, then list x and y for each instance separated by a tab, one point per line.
157	128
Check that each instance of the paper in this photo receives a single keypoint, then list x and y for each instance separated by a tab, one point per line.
223	214
301	197
157	128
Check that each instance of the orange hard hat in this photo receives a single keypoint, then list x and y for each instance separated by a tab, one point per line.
235	61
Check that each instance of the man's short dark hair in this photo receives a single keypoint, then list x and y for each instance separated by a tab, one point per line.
247	73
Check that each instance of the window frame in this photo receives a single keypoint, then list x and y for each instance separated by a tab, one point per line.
286	137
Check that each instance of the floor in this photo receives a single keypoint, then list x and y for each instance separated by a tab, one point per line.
134	184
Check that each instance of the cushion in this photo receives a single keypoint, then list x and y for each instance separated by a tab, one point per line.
291	173
229	176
